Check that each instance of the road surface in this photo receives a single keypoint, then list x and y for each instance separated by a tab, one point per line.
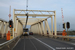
37	42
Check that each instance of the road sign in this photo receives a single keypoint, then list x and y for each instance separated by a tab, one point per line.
9	15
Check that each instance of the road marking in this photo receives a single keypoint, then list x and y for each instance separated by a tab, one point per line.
73	43
24	42
32	43
16	44
43	43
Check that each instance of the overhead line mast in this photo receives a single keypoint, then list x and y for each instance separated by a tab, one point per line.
26	14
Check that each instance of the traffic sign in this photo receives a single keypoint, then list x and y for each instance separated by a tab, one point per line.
9	15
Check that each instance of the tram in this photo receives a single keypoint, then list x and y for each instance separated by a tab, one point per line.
25	31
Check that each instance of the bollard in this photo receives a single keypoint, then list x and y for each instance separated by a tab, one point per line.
8	35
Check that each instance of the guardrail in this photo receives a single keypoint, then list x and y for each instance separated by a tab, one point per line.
8	42
56	36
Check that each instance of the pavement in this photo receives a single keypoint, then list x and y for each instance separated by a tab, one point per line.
38	42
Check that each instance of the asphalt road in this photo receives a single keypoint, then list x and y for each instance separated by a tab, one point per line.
37	42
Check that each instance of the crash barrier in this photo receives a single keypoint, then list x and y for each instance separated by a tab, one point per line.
8	42
60	36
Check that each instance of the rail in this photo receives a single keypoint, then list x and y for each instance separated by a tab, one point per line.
8	42
62	36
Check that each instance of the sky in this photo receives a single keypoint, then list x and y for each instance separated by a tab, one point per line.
67	5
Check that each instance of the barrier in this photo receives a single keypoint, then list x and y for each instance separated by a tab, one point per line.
8	35
8	42
62	36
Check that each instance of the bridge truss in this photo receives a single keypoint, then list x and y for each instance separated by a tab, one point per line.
37	25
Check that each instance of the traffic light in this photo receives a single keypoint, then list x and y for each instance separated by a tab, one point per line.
68	25
63	25
10	23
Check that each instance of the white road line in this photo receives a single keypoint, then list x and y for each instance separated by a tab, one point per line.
24	42
32	43
16	44
43	43
73	43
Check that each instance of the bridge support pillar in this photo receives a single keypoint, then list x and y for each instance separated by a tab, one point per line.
45	29
40	28
52	25
48	27
16	28
55	29
2	29
13	22
6	28
30	28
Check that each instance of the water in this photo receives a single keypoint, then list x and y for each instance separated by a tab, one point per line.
72	35
68	35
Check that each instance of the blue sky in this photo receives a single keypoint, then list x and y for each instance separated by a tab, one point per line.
67	5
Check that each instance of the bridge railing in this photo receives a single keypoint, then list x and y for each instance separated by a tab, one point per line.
60	36
8	42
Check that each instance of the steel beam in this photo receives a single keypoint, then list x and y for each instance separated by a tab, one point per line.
55	29
2	29
44	15
13	22
45	28
34	10
51	25
48	27
40	28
